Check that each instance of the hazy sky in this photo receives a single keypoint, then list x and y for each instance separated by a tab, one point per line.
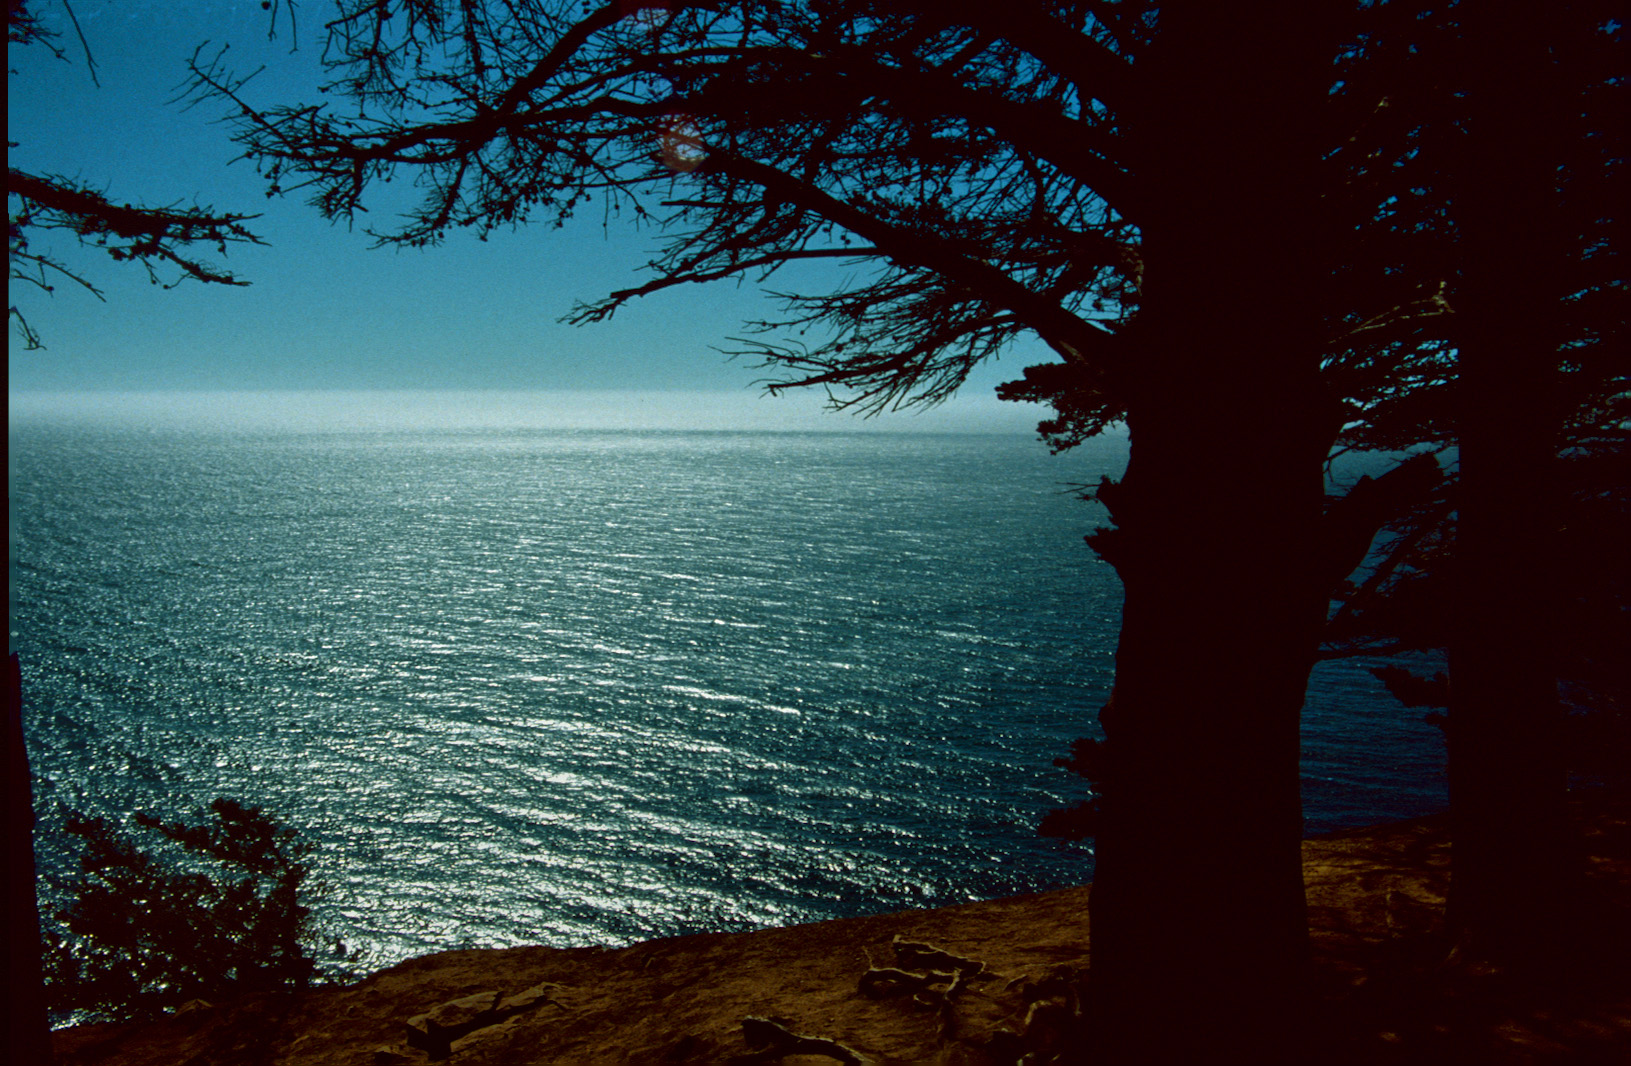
324	310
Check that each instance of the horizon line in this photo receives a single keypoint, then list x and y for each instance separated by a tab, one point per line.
499	408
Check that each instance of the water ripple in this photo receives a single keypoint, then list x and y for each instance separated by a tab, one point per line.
575	687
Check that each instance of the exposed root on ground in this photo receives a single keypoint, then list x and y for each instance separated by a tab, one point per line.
773	1040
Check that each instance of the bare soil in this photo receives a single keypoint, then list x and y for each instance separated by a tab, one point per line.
1386	988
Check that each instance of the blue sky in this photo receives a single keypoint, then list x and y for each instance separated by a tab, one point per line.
325	311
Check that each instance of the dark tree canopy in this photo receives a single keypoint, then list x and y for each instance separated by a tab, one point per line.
1524	195
970	173
963	171
1400	603
216	909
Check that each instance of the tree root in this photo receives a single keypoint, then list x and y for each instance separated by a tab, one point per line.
434	1031
773	1040
940	968
886	982
1053	1018
919	956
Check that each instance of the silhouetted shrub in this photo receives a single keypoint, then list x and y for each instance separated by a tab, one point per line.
148	929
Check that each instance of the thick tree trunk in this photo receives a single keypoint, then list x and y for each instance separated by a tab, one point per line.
1199	928
1199	923
1513	866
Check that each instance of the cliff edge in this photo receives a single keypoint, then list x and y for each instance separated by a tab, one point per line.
979	983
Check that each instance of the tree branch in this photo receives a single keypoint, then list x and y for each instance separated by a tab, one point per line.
1074	338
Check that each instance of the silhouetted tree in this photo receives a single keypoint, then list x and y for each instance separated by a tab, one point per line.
1518	199
1402	606
1195	205
1506	770
1497	151
156	237
146	930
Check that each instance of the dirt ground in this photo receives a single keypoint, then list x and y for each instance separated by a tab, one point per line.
981	983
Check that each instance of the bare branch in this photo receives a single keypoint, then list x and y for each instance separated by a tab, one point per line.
146	235
972	160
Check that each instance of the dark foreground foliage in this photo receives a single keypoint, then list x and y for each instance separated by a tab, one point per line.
190	911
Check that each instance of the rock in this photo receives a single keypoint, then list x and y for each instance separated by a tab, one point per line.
434	1031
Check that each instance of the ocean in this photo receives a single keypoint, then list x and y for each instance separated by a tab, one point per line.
573	686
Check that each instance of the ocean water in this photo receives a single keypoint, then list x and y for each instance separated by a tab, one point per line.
569	687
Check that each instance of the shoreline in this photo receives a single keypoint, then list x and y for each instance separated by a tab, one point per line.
1375	907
